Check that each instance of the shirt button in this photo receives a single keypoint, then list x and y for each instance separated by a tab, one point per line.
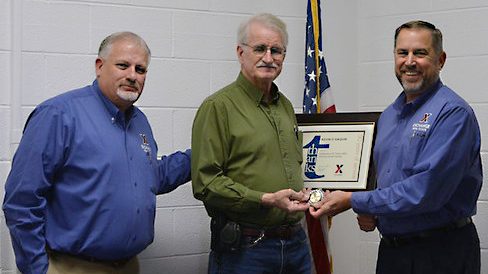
138	211
135	183
113	120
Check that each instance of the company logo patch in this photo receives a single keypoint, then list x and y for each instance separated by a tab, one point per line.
425	119
421	128
145	144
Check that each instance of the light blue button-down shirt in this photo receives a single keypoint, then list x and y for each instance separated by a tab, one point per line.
84	181
427	155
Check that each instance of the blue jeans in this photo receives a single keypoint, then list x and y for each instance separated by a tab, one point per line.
268	256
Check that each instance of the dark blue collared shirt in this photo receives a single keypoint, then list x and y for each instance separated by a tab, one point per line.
84	181
427	155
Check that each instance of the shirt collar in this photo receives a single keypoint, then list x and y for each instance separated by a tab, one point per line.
256	94
404	108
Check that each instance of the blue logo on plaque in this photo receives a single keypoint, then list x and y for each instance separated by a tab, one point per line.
312	153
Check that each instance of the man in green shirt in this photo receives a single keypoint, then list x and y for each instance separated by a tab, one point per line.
246	159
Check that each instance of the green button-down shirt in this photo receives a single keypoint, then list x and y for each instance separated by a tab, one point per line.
242	148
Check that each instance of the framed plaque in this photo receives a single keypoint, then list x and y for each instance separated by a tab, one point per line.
338	150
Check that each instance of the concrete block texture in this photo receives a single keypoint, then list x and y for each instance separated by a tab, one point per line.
154	25
46	75
7	258
204	36
484	261
5	24
4	134
5	77
467	84
175	83
162	126
180	197
385	8
453	4
195	5
179	231
55	27
481	111
281	8
484	188
481	221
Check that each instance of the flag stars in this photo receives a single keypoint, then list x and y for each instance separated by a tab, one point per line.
316	80
312	75
310	51
321	55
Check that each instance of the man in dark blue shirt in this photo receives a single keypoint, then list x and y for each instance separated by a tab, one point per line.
428	166
81	194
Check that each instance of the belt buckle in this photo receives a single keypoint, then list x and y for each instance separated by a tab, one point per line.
283	232
287	231
258	239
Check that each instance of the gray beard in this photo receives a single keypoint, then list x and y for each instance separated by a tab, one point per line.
127	95
409	89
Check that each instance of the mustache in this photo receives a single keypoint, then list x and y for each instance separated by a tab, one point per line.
131	85
264	65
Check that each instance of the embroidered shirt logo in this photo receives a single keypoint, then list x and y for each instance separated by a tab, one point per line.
425	119
421	128
145	144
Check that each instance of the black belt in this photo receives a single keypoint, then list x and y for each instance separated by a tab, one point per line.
112	263
410	238
284	232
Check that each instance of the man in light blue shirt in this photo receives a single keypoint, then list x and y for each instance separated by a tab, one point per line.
81	194
429	175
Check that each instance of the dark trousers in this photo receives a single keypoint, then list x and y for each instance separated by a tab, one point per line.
455	251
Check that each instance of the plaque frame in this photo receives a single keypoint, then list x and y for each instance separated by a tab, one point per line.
352	126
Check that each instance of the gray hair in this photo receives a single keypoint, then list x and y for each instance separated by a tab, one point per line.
418	24
267	20
106	45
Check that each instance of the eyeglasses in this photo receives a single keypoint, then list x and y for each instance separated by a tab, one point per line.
261	50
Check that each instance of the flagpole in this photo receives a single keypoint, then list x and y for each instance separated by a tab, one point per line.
315	81
316	29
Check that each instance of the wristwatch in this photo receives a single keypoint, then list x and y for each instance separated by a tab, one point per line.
316	196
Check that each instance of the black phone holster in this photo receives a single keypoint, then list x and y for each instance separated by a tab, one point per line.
226	234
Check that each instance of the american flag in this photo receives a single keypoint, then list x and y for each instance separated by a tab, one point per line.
317	98
315	70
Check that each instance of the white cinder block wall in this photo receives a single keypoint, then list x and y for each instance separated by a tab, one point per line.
47	47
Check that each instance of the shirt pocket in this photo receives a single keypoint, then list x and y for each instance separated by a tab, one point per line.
410	152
